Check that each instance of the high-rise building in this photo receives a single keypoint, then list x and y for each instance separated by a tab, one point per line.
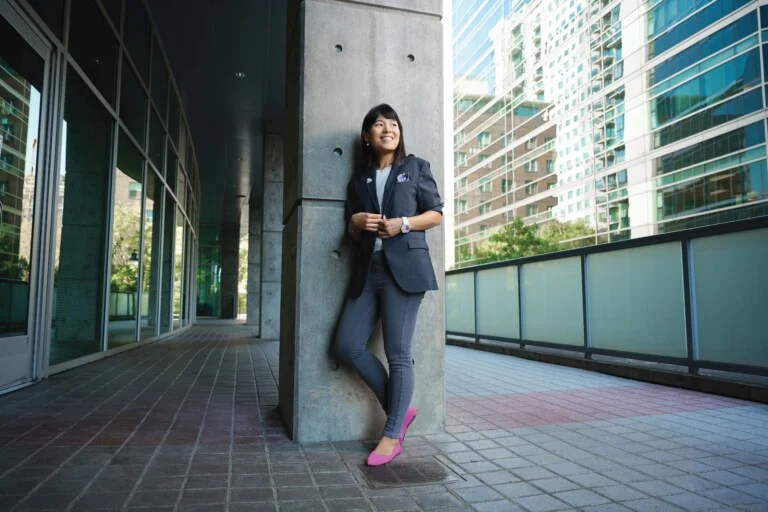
647	115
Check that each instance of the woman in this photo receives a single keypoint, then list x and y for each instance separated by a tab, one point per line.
390	205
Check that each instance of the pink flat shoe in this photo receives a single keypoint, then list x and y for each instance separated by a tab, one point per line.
374	459
409	417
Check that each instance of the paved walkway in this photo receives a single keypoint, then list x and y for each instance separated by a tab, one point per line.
190	424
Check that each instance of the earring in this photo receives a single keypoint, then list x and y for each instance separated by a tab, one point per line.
367	143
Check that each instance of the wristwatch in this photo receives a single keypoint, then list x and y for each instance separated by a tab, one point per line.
406	227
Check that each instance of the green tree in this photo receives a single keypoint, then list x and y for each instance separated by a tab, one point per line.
561	236
125	249
514	240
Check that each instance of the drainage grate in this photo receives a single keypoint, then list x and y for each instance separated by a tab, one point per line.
407	472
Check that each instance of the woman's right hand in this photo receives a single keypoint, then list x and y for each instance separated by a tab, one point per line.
365	221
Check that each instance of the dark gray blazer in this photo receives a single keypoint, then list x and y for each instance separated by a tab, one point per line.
407	254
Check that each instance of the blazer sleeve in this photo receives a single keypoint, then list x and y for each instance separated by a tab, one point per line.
350	206
427	195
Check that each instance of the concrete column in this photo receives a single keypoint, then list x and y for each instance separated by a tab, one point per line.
230	262
272	234
254	266
344	58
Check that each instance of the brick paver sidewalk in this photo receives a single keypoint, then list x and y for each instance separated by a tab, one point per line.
190	424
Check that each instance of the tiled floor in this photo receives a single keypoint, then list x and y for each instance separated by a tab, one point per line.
190	424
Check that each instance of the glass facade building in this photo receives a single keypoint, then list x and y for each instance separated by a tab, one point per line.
611	119
99	189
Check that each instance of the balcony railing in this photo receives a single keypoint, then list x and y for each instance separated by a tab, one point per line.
692	298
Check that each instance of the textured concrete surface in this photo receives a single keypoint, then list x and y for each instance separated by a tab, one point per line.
191	424
253	311
344	58
272	236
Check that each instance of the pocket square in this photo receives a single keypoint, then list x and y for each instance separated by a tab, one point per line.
403	177
369	180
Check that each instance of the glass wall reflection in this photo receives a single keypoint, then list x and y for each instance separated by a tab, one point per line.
169	222
81	228
126	240
21	80
151	256
178	267
209	273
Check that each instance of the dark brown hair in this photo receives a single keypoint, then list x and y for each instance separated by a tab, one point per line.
370	158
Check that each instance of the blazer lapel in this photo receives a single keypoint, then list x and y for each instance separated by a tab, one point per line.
389	187
370	179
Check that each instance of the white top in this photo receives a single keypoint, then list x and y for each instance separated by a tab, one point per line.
381	181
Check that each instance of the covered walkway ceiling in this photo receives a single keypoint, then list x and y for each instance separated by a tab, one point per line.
228	58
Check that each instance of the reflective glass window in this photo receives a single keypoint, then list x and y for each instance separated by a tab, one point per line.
178	267
721	39
166	294
133	104
80	240
94	46
126	244
52	13
173	119
21	102
137	33
113	8
156	140
151	256
159	81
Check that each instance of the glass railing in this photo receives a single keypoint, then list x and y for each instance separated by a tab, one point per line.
638	299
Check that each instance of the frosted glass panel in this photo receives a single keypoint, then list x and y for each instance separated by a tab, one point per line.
730	294
636	300
497	310
459	303
552	302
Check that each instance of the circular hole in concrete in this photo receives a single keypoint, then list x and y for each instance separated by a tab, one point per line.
411	58
338	152
335	255
339	48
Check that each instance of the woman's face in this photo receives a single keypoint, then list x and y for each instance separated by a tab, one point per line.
384	135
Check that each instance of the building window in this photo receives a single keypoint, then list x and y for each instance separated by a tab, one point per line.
459	158
461	206
550	166
483	230
461	137
531	166
531	188
484	138
460	183
485	185
530	143
507	185
484	158
485	208
531	209
134	190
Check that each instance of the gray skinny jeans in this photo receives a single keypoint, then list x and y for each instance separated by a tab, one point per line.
398	318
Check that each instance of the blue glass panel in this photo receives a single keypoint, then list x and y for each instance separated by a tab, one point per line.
764	16
711	117
765	62
692	25
716	84
723	38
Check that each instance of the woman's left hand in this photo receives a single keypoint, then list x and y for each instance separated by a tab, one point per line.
389	227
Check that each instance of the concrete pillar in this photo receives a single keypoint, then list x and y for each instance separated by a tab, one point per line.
230	262
344	58
272	234
254	266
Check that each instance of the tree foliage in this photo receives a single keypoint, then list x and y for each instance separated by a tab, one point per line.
519	240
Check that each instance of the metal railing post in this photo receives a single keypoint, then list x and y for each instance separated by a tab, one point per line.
687	270
585	308
477	308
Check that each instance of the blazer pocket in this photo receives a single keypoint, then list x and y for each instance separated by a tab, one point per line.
418	244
